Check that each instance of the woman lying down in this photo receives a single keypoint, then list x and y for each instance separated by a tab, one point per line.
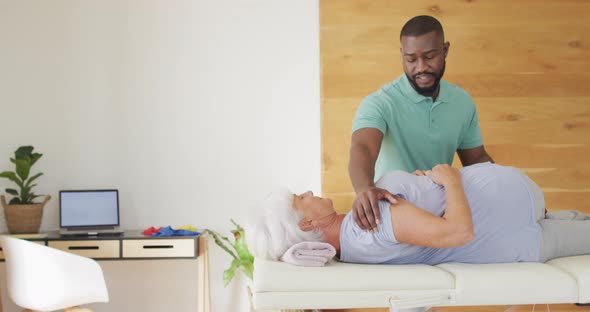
484	213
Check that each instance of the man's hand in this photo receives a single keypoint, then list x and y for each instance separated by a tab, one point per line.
365	208
444	175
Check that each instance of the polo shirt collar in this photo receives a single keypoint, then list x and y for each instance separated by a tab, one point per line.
416	97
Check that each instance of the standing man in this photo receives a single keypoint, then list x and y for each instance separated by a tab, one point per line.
412	123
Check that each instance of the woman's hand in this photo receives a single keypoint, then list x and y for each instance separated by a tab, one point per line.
419	172
444	175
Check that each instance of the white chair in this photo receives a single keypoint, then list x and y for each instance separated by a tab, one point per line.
41	278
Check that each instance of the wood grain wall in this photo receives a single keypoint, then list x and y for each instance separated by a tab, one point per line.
526	63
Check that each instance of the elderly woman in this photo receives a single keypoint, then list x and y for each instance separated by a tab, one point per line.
484	213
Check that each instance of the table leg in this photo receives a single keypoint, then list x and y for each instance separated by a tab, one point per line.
204	299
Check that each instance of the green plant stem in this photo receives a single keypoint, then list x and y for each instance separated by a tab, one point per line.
216	238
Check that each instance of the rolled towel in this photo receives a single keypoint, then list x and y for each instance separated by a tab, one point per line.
309	254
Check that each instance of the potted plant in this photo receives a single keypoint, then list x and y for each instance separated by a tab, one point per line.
242	258
22	214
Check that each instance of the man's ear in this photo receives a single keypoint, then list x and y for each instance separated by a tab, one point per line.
305	225
446	47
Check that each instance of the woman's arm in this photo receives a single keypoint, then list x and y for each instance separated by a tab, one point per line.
412	225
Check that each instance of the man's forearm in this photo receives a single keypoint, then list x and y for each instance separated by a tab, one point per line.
361	169
474	156
485	158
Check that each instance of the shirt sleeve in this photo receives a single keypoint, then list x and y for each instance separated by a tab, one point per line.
370	115
472	135
390	182
385	229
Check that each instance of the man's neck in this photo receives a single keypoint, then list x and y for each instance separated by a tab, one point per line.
330	228
435	94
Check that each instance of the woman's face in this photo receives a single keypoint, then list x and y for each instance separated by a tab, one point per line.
312	207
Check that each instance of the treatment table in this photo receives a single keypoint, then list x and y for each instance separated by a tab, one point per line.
279	285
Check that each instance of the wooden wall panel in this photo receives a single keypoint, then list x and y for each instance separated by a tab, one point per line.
525	72
526	64
337	13
558	49
482	84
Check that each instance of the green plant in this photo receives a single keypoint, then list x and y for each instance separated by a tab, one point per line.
243	259
24	159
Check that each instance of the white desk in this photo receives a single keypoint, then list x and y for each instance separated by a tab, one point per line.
132	245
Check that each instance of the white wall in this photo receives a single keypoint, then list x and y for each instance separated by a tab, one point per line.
193	109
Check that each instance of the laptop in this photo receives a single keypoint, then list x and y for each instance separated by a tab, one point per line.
89	212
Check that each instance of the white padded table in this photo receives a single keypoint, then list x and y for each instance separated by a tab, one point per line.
337	285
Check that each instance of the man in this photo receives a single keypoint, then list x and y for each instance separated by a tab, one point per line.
412	123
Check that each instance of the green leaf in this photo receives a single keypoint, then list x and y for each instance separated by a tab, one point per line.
248	269
15	201
228	241
12	177
238	227
12	191
12	160
23	152
35	157
24	195
245	261
8	174
24	191
230	272
242	248
33	178
29	198
217	240
23	167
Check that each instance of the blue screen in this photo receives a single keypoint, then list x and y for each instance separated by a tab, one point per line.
89	208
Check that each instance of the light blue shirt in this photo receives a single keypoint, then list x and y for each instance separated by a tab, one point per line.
417	132
503	217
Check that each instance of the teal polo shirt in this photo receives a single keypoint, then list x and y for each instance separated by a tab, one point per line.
417	132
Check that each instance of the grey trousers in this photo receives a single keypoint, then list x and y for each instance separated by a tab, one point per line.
563	233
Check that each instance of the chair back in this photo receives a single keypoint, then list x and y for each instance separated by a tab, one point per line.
45	279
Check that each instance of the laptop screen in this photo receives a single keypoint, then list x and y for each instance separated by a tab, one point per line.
88	208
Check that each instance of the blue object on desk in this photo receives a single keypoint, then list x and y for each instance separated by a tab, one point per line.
169	231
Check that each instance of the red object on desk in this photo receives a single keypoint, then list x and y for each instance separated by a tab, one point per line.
151	230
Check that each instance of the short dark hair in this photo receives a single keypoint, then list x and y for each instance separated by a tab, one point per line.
420	25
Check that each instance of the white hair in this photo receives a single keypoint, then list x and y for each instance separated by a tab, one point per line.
278	229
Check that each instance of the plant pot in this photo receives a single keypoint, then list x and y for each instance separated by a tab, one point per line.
23	218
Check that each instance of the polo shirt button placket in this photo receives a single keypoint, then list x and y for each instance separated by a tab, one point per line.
432	107
430	118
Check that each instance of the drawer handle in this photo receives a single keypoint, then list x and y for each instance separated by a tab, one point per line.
157	246
83	247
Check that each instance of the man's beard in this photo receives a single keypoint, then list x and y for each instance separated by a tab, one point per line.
429	91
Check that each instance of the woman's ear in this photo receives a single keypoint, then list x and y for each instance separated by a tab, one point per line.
306	225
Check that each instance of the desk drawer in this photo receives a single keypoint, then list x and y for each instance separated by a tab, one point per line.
159	248
93	249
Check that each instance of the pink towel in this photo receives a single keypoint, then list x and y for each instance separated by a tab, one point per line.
309	254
